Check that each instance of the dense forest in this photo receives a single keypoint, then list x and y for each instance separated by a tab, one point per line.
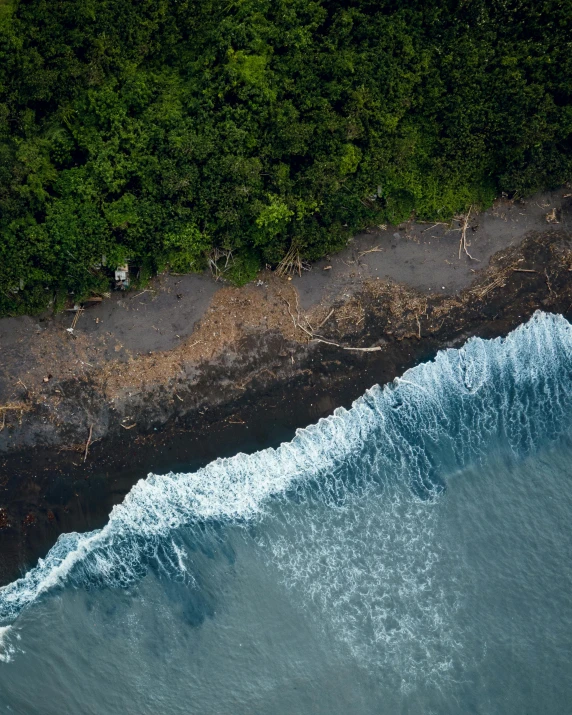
170	131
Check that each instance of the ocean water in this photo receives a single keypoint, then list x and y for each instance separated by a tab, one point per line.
409	555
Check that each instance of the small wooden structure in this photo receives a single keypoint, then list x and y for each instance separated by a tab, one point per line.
122	277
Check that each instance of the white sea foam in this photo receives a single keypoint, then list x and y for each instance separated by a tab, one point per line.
516	388
7	648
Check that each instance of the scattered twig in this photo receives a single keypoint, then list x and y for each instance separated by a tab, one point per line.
129	426
325	320
88	443
439	223
548	282
375	249
523	270
314	337
499	281
296	323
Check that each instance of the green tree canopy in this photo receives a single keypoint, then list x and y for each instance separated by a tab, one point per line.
161	129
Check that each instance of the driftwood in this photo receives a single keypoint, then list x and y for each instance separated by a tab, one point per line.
88	443
315	337
464	226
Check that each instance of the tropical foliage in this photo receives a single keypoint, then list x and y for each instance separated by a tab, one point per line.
159	130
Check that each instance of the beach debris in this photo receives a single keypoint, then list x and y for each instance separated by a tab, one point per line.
325	320
375	249
315	337
78	311
463	245
88	443
498	282
551	217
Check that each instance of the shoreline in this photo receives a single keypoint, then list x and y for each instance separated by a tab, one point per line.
79	443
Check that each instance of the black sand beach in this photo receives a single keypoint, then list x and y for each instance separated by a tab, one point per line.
190	369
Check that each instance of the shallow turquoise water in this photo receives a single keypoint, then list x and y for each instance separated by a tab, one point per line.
411	555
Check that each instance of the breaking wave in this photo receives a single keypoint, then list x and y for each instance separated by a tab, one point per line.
395	447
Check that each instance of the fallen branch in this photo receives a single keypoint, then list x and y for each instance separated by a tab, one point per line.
374	349
548	282
314	337
325	320
376	249
88	443
439	223
463	230
296	323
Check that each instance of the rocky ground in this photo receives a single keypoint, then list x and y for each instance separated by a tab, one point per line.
191	369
